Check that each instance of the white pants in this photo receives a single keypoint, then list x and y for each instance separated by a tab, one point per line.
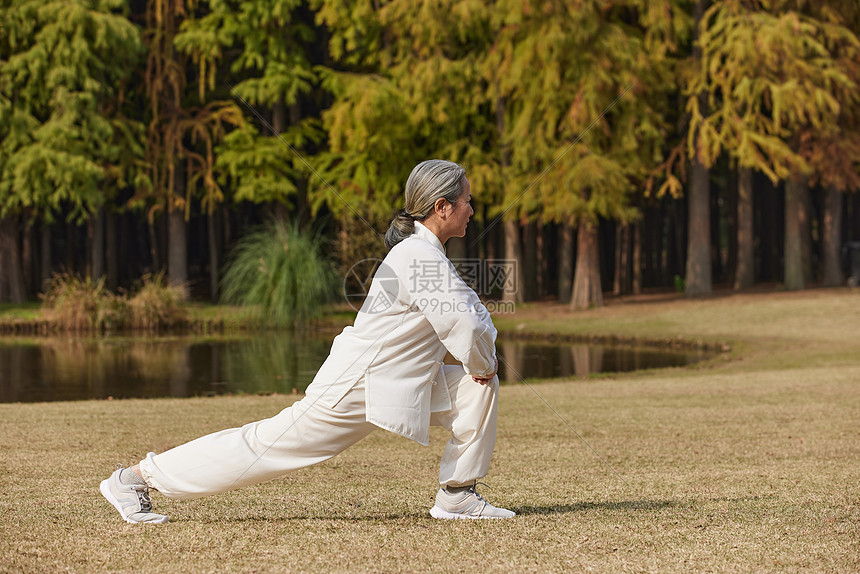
307	432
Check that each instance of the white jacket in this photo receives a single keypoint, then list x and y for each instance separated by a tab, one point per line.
416	308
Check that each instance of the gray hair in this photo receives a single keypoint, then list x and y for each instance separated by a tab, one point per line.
429	181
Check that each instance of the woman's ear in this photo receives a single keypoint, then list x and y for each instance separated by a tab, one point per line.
439	207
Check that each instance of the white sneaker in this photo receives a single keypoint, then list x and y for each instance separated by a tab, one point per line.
462	503
131	500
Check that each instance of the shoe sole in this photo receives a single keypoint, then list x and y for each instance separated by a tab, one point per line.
104	488
437	512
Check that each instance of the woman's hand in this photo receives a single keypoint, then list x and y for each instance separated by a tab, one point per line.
485	380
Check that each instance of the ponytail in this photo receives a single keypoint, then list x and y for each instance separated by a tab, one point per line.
402	226
429	181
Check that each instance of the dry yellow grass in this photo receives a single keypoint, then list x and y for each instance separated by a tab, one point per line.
745	464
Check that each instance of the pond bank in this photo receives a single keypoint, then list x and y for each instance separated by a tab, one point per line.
30	320
676	343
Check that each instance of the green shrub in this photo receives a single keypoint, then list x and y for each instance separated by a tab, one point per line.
157	305
280	273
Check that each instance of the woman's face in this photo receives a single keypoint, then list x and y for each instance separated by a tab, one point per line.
461	211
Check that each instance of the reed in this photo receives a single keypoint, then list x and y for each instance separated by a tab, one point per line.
280	274
76	304
157	305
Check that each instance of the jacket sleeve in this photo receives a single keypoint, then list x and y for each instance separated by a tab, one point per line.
458	317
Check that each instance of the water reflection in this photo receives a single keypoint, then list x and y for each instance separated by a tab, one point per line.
545	360
69	368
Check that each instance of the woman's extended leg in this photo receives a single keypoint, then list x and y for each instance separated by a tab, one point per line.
301	435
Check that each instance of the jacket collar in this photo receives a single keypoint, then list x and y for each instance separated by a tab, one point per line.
427	235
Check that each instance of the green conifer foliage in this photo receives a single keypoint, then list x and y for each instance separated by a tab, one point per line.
268	66
61	128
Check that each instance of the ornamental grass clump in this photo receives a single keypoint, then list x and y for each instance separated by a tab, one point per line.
76	304
280	274
86	305
157	305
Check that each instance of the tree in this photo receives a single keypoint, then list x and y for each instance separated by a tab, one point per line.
698	280
780	81
181	136
63	134
580	120
267	45
407	86
745	270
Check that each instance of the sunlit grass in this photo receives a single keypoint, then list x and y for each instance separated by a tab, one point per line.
747	463
717	472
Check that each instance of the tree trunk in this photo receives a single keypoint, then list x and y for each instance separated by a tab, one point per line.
177	254
587	291
652	227
152	228
731	217
530	261
111	250
565	262
96	233
45	267
279	124
770	232
804	215
621	282
697	277
676	247
793	248
29	261
854	226
302	204
71	247
212	232
637	258
717	266
616	280
542	275
831	238
12	288
514	288
745	271
698	274
177	238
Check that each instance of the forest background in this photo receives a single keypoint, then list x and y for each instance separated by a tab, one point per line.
611	145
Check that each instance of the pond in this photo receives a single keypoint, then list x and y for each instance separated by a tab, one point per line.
76	368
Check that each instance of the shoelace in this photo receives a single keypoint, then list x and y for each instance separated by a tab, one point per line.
473	489
143	497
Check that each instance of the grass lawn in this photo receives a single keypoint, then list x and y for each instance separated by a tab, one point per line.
746	463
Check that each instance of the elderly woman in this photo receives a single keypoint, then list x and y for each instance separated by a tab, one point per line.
385	371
